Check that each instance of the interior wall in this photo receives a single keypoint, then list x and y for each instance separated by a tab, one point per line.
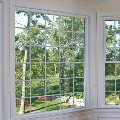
87	5
70	4
105	6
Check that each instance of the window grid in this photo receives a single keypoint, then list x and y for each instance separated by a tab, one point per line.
111	76
45	63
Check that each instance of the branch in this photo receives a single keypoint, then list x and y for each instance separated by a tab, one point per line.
20	24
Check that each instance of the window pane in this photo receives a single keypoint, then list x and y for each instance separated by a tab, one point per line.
110	54
37	54
79	85
79	70
109	69
66	85
52	87
112	65
52	54
37	88
118	98
110	84
50	62
38	71
118	84
78	39
110	98
38	104
78	25
66	23
66	39
117	54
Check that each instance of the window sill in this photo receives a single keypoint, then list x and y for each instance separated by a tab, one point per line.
49	113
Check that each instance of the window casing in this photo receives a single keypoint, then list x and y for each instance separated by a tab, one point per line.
108	59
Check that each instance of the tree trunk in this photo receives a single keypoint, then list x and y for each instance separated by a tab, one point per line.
23	85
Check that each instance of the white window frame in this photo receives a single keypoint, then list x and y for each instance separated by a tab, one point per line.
101	18
9	72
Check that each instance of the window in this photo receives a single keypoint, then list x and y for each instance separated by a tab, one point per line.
50	62
108	59
112	64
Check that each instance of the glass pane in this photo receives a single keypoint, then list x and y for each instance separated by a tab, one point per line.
117	36
66	39
66	23
18	34
78	70
78	39
109	69
66	54
52	87
52	70
78	54
110	98
78	25
52	103
37	37
117	53
51	21
79	99
110	84
37	20
66	101
118	84
52	38
38	104
37	54
22	53
66	85
18	73
23	38
37	88
52	54
66	70
18	21
19	85
118	69
79	85
110	54
118	98
37	71
110	39
26	106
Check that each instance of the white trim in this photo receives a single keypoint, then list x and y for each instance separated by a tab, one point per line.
6	60
12	59
101	17
50	9
1	105
5	97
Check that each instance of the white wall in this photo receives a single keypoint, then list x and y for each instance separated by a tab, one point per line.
106	114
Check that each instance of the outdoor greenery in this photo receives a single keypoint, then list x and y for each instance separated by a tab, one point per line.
112	69
49	54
